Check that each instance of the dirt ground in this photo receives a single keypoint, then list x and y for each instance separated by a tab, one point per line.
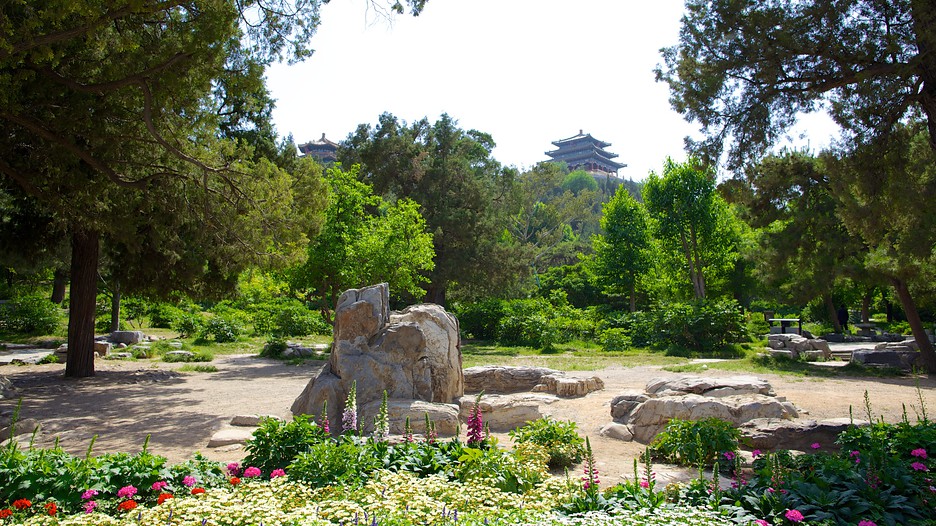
126	401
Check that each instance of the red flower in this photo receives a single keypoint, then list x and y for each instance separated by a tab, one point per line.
22	504
196	491
5	512
163	497
235	481
51	508
127	505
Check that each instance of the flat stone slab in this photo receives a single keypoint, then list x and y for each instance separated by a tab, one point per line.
506	412
503	379
708	386
770	434
250	420
23	355
230	435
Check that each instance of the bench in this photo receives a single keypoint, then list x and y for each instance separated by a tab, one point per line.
866	329
785	323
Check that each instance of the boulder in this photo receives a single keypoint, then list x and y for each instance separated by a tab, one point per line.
770	434
102	348
623	404
902	359
499	379
127	337
6	388
443	416
617	432
230	435
503	413
250	420
412	355
25	426
714	386
179	356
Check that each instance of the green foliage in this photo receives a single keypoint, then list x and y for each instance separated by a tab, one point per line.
330	462
579	282
695	442
222	330
276	443
30	314
479	320
624	252
190	368
164	315
700	327
287	317
188	325
528	323
614	339
515	472
200	355
559	438
578	181
274	347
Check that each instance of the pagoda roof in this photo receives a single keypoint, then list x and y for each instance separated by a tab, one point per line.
320	143
581	137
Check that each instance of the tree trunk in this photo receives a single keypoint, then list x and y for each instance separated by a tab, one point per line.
923	14
115	308
81	304
59	282
866	306
916	325
833	314
889	309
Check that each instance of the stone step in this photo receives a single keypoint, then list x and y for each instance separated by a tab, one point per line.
843	355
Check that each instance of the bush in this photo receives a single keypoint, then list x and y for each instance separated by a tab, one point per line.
164	315
188	325
340	463
275	443
274	347
559	439
695	442
529	323
480	320
222	330
287	317
614	340
32	314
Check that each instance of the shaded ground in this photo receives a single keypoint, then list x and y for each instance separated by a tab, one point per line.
126	401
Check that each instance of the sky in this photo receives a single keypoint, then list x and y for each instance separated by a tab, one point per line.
528	72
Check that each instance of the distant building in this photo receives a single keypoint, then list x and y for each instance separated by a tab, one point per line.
323	150
584	152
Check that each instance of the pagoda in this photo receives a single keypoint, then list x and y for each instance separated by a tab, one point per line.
323	149
584	152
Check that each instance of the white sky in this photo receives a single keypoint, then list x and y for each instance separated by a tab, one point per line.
528	72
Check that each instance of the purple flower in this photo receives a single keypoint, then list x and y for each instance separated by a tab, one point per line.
159	486
89	506
277	473
867	523
475	424
189	481
919	453
794	515
644	484
126	492
252	472
349	415
919	466
89	494
815	445
233	469
761	522
756	453
729	455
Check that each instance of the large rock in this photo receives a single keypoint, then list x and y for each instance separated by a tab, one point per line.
793	345
443	416
127	337
26	426
412	355
500	379
901	359
769	434
6	388
503	413
716	386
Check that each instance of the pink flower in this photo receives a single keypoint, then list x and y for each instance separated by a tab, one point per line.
89	506
644	484
89	494
919	453
233	469
761	522
756	453
919	466
159	486
189	481
867	523
815	445
126	492
277	473
729	455
794	515
252	472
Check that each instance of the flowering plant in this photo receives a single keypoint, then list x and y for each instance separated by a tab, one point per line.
349	415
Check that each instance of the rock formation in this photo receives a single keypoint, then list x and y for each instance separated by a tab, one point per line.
413	355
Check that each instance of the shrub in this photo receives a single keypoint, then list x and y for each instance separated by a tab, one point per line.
32	314
480	320
222	330
197	356
164	315
274	347
287	317
275	443
695	442
330	462
529	323
559	439
614	340
188	325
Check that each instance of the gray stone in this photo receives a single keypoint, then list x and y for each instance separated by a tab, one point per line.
899	359
6	388
412	355
506	412
623	404
230	435
102	348
790	355
25	426
181	355
617	432
724	386
770	434
444	416
500	379
128	337
250	420
119	356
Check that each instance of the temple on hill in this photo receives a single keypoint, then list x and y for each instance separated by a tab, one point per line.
324	150
587	153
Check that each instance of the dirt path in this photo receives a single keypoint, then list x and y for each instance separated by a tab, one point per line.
126	401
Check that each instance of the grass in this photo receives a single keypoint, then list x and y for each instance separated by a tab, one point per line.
770	365
575	356
198	368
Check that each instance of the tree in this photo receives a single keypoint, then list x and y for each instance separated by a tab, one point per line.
624	252
868	180
461	189
693	224
365	240
104	100
803	245
744	69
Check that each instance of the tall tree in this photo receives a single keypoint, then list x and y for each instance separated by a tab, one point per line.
886	190
692	222
103	99
461	190
624	251
744	69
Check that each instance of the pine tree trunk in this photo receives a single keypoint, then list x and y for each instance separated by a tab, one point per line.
59	282
833	314
866	306
916	325
81	304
